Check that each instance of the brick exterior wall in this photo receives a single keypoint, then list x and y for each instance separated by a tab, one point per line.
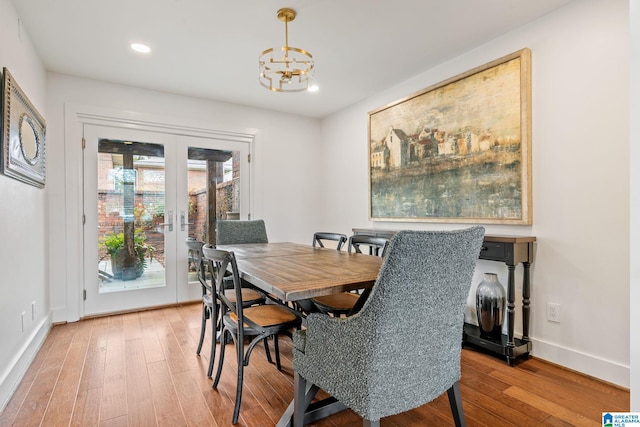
149	202
149	219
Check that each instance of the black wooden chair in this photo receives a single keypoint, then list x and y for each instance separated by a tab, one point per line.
320	237
211	308
258	322
348	303
194	248
307	306
210	303
376	245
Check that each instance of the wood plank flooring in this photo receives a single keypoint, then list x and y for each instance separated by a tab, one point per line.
140	369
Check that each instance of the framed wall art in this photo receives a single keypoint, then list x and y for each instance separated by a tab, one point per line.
458	151
23	135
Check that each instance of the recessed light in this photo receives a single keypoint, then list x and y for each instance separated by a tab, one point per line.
141	48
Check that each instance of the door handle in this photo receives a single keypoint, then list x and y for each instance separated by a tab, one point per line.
170	223
182	223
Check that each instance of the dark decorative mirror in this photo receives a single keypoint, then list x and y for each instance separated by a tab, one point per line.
23	135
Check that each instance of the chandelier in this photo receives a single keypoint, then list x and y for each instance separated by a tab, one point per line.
286	68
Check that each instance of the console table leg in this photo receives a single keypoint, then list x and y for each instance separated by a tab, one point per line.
526	294
511	312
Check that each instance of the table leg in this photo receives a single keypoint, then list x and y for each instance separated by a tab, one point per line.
511	313
526	294
312	411
286	420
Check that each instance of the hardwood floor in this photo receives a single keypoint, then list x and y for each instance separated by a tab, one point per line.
141	369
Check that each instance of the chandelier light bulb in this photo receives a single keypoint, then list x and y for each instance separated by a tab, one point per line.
140	48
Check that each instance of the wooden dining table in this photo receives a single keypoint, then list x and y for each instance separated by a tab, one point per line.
291	272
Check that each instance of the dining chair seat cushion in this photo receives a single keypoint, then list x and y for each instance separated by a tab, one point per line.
249	296
266	315
343	301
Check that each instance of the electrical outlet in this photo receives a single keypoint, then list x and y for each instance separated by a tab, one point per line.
553	312
33	310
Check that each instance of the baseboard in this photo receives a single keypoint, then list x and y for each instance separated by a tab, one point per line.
14	372
605	370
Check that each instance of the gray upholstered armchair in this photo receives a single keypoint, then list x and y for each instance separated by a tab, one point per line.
402	349
234	232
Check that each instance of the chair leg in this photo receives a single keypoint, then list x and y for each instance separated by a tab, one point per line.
239	344
214	332
299	401
455	401
370	423
202	328
277	350
218	336
220	359
266	350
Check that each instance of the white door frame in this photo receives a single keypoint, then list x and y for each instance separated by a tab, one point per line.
76	116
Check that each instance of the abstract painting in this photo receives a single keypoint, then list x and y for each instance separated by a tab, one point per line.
458	151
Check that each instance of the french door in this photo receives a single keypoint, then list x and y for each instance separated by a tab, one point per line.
144	193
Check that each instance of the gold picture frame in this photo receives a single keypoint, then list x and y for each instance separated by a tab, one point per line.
458	151
23	135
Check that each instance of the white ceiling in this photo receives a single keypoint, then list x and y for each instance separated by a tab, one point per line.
209	48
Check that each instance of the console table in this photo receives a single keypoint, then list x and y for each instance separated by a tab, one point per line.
512	250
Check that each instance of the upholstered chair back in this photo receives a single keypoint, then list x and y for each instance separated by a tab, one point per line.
233	232
403	347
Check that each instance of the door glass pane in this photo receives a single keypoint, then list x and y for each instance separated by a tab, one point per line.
220	200
131	215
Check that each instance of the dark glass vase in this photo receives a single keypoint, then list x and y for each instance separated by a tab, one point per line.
490	306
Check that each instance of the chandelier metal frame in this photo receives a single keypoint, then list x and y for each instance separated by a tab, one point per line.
286	68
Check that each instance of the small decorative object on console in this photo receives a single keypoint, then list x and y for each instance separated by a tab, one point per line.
490	305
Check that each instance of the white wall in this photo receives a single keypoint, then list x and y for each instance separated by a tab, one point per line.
23	234
580	74
284	166
634	294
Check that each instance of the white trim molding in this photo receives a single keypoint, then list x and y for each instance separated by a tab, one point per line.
75	116
606	370
13	373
